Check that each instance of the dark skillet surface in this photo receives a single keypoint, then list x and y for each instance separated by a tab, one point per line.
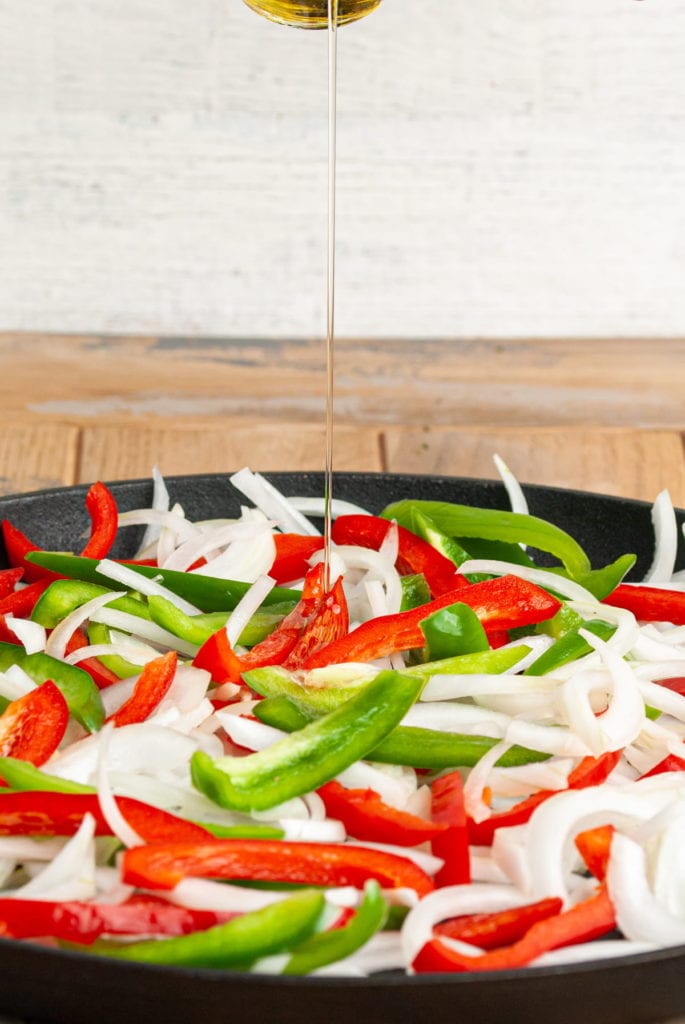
55	987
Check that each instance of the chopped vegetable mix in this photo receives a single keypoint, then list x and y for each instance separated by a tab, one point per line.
431	754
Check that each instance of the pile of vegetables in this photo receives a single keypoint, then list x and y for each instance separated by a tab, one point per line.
425	754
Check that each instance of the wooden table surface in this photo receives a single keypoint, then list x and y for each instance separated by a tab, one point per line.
607	416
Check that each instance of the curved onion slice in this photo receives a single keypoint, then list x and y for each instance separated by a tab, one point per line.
143	584
477	780
31	634
639	914
666	540
71	875
549	580
60	635
517	499
453	901
108	805
272	503
160	503
203	894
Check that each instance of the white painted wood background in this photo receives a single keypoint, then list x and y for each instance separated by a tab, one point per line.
506	167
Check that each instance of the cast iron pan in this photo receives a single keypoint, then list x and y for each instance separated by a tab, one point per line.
54	987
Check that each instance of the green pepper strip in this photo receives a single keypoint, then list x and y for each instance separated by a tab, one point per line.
568	648
494	524
196	629
238	943
205	592
63	596
76	686
338	943
453	630
273	680
407	744
98	633
306	759
415	591
602	582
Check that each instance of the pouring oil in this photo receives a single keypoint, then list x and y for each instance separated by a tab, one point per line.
324	14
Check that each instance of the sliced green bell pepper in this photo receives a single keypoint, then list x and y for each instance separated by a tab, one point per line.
452	631
330	946
569	647
76	686
206	592
306	759
64	596
238	943
196	629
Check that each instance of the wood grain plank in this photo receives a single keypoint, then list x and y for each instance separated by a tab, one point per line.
629	463
34	456
446	382
122	452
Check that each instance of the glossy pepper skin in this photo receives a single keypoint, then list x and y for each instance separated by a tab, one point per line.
582	923
32	727
650	604
414	554
77	687
490	931
238	943
365	816
306	759
149	690
164	865
502	603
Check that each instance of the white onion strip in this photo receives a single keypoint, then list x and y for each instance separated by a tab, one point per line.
548	580
666	540
251	600
32	635
138	626
517	499
272	503
64	630
134	580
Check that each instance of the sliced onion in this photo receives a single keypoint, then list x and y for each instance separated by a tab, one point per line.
15	683
31	634
144	747
426	861
548	580
251	600
173	521
160	503
108	805
71	875
452	687
591	952
666	540
638	913
301	830
143	584
137	626
242	560
517	499
63	631
383	952
215	537
464	718
272	503
203	894
476	807
453	901
393	786
21	848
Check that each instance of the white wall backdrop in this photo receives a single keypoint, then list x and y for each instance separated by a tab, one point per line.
506	167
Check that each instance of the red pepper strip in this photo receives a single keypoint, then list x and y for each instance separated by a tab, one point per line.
265	860
452	845
9	579
671	763
501	603
150	688
74	921
292	556
677	684
315	620
590	772
22	602
6	634
330	622
582	923
17	546
594	846
104	515
490	931
415	555
99	673
365	816
650	604
32	727
36	813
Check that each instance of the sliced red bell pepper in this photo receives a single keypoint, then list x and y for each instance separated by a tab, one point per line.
150	688
104	515
330	621
17	547
415	555
671	763
502	603
99	673
74	921
6	634
262	860
591	771
677	684
217	657
292	556
452	844
366	816
649	604
490	931
594	846
22	602
9	579
32	727
39	813
582	923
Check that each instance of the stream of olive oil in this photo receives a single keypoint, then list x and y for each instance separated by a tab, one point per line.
324	14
